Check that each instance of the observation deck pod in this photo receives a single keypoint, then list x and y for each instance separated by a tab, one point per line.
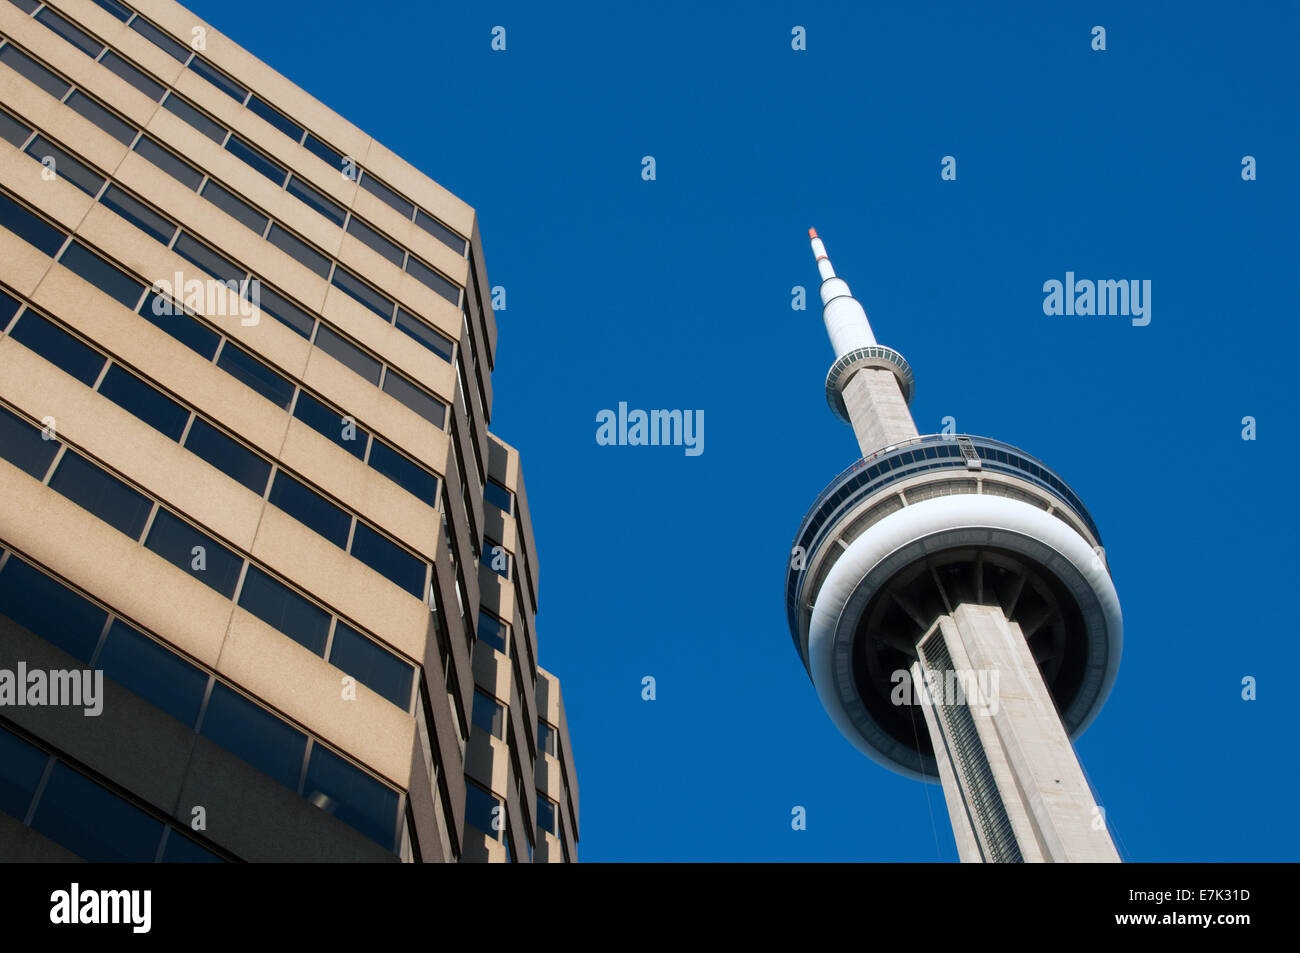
910	532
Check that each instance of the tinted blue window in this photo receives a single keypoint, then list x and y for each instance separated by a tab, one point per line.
234	206
415	480
135	396
351	795
31	229
285	125
186	112
387	195
106	277
222	82
102	494
119	129
94	823
115	8
389	560
371	665
65	166
417	329
484	811
73	34
195	552
27	6
24	446
246	153
132	75
230	457
254	735
546	814
248	369
21	767
431	279
325	206
488	715
358	290
311	509
182	850
58	347
329	156
497	558
218	266
139	215
299	250
347	353
440	232
413	397
497	495
285	311
20	62
179	51
376	241
162	313
279	606
329	424
492	631
12	130
49	609
166	160
162	678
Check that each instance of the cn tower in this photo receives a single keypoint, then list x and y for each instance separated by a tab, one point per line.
950	599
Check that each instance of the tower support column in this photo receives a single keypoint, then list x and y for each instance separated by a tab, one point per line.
877	410
1014	788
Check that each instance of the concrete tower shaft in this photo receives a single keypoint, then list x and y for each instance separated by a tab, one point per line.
936	560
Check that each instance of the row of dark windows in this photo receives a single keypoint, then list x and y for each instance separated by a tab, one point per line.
83	816
154	90
172	318
165	231
205	441
193	551
197	699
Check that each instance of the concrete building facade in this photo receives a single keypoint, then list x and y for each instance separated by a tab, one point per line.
249	478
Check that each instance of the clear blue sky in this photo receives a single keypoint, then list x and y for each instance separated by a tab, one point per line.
676	294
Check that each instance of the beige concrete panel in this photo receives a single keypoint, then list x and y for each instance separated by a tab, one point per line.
291	679
138	344
128	445
61	124
130	742
260	820
430	305
388	343
253	73
346	584
366	492
386	219
487	761
118	571
61	202
24	266
491	671
241	179
128	43
549	779
277	344
406	179
225	234
78	68
381	414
